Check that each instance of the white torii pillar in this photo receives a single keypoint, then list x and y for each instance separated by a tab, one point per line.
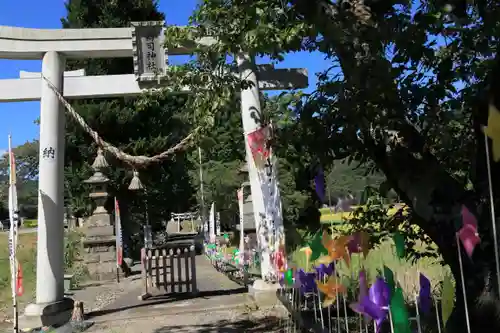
54	46
250	102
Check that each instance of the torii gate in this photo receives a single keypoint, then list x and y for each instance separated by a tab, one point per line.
144	42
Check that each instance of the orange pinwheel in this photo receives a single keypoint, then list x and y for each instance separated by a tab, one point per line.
336	247
331	289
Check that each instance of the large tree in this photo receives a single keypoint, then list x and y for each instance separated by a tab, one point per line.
407	90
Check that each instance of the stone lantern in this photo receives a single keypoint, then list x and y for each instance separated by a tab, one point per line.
100	241
99	194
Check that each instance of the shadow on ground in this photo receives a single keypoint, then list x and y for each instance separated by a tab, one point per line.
264	325
167	298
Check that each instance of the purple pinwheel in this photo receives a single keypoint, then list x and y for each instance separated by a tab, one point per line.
424	296
363	292
323	270
307	282
376	304
281	279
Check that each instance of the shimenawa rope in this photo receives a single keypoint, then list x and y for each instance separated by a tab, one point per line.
135	161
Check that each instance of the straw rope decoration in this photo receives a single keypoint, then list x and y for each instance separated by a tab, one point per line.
140	161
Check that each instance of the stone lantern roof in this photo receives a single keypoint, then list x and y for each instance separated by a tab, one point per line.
97	178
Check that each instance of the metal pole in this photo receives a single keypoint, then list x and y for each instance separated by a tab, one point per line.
16	316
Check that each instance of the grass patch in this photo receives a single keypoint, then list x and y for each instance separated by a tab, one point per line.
328	216
26	254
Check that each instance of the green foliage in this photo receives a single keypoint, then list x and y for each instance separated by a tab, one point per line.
222	155
376	218
26	254
73	251
344	179
72	248
30	223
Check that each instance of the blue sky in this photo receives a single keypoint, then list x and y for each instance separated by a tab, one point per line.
18	118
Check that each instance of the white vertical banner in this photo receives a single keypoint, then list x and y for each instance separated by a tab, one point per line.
259	153
271	230
205	229
15	268
212	223
217	224
119	235
275	207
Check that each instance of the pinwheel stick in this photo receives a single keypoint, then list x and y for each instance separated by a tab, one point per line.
338	306
419	326
463	283
437	315
345	315
492	210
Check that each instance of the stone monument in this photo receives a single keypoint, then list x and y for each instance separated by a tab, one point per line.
99	242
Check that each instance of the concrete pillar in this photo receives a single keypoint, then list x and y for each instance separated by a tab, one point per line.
250	103
51	307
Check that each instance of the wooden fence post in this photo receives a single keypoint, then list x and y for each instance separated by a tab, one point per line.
194	286
144	267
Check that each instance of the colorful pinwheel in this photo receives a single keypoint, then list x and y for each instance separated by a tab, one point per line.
288	277
330	289
468	233
336	248
307	281
424	295
399	313
316	246
375	304
322	271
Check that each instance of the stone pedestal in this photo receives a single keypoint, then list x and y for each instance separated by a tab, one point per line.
100	248
38	315
263	293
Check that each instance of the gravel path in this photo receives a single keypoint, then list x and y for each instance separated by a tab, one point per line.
224	321
100	295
